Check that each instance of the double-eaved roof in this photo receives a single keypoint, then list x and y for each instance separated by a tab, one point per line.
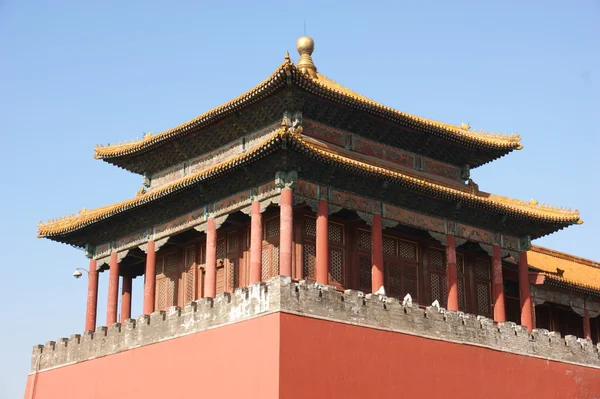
135	156
328	154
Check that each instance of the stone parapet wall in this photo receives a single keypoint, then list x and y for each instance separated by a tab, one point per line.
308	299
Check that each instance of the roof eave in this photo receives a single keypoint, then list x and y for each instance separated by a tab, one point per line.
287	73
226	166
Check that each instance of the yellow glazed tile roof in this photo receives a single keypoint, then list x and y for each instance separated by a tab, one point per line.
324	87
315	148
568	269
85	217
452	132
511	206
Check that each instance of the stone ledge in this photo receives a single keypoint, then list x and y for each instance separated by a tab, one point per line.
323	302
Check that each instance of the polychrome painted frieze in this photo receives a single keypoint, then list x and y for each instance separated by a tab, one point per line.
362	145
324	132
132	240
236	202
414	219
180	223
441	169
474	234
391	154
209	159
351	201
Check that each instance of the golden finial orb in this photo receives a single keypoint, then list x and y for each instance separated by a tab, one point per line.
305	46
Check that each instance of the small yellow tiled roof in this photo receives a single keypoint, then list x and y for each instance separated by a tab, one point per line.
329	154
324	87
565	268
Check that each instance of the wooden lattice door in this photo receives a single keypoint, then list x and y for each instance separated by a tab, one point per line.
167	280
363	247
483	285
189	275
221	264
270	249
337	251
437	275
401	259
337	254
309	249
438	279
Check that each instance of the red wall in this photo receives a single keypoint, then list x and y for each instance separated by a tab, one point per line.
312	358
322	359
235	361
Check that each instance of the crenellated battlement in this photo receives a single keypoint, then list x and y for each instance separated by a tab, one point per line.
280	294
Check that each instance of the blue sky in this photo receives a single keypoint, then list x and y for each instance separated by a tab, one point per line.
76	74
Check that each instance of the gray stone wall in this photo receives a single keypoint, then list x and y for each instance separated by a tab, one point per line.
323	302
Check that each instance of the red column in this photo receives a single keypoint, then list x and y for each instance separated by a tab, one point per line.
587	332
376	253
92	297
126	298
150	282
322	243
451	274
526	318
498	285
113	290
256	236
286	220
210	279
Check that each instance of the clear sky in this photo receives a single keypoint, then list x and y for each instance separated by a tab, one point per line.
76	74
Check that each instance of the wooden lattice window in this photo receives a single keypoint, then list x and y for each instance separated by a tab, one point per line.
401	267
270	249
438	279
483	285
189	274
221	260
363	246
461	282
337	241
309	248
201	268
337	251
437	275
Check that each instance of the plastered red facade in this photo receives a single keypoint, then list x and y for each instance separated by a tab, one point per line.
289	356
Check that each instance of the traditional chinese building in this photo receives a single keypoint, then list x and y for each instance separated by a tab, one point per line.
302	240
